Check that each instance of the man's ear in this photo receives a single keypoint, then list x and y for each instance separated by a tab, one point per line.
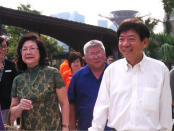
145	42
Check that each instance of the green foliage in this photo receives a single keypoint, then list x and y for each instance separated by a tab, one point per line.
166	52
27	8
13	33
150	23
52	47
161	47
168	6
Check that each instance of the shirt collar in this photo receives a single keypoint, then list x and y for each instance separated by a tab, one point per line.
140	65
88	71
33	69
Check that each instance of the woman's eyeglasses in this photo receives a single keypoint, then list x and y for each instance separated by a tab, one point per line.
29	49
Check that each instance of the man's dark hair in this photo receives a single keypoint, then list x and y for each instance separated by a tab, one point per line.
135	25
41	47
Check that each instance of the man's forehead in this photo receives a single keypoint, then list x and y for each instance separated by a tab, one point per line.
92	48
128	33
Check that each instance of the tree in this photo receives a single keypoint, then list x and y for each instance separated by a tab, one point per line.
149	22
13	33
168	6
27	8
52	47
161	47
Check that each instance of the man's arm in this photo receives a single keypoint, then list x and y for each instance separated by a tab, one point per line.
172	84
72	118
72	99
166	104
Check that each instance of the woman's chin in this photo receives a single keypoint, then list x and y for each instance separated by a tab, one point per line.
30	65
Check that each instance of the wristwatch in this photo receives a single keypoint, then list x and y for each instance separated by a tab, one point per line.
65	126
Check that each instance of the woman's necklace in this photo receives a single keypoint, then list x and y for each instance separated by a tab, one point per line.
31	83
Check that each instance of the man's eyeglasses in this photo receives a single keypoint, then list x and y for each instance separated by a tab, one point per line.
29	49
98	54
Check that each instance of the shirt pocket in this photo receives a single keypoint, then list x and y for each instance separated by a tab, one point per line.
150	99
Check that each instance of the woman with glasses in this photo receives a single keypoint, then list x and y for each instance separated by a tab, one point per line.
7	74
38	90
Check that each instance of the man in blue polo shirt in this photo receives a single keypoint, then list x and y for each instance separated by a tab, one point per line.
84	86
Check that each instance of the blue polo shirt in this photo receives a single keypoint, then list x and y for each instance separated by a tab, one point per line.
83	92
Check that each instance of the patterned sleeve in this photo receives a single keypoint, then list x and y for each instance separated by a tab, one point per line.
59	82
14	88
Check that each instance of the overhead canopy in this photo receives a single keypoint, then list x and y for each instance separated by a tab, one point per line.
72	33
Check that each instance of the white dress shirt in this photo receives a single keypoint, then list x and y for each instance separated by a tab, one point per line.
134	99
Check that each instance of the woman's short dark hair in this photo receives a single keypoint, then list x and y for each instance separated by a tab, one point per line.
74	56
42	50
136	25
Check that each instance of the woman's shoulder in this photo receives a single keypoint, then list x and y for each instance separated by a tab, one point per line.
20	76
50	69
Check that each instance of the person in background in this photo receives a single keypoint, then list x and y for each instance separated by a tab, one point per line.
64	67
38	90
135	92
1	121
84	62
84	86
110	59
7	73
172	90
75	63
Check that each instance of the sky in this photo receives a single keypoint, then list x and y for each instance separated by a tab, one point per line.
92	8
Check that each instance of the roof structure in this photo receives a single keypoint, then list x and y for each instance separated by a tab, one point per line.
120	15
72	33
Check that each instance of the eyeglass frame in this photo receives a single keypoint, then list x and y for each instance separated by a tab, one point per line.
32	49
98	54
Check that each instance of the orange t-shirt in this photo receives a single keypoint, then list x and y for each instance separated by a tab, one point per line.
67	75
64	67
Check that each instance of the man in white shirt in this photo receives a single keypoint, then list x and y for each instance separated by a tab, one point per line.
135	92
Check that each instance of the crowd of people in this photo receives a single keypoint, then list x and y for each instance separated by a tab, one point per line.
93	92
